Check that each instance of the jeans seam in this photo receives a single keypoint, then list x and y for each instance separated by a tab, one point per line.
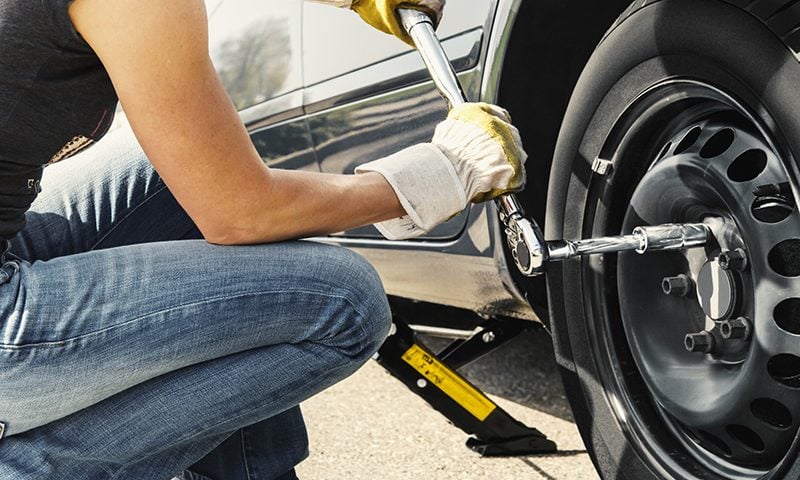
247	473
68	341
197	476
130	212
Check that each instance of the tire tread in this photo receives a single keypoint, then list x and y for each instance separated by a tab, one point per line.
782	17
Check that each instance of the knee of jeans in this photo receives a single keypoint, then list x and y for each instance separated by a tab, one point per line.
361	288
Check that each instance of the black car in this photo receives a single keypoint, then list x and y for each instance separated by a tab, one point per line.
681	365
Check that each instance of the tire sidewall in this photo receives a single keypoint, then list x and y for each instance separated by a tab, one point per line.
707	40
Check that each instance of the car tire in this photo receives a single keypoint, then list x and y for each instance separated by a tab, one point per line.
676	98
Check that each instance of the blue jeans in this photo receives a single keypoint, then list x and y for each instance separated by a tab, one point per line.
125	354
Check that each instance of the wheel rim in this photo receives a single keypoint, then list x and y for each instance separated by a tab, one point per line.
735	409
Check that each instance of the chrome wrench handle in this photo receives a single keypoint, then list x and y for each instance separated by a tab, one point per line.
657	238
523	235
420	28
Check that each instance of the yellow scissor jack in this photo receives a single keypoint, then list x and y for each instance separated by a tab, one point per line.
434	378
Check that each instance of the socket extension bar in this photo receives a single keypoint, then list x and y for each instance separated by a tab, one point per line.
530	251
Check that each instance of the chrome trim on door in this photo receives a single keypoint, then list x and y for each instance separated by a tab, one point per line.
499	37
276	110
382	77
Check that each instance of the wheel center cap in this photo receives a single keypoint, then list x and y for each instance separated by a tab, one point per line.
716	290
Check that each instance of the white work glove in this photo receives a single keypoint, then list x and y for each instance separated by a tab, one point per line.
475	155
382	15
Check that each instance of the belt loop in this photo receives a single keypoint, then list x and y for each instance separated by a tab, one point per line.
5	262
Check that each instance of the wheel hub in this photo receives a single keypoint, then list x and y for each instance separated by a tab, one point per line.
716	290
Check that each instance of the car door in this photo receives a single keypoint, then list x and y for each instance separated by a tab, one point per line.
367	94
255	46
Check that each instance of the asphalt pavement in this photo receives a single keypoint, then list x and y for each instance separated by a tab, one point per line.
371	427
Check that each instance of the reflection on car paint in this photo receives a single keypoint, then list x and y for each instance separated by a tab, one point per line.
286	145
354	134
255	46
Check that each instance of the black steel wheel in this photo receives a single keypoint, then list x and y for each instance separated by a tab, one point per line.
684	364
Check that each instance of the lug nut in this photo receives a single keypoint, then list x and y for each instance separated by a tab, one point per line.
678	286
732	260
702	342
735	329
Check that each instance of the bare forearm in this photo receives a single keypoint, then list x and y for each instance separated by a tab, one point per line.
301	204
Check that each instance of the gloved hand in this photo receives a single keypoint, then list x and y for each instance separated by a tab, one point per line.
485	149
475	155
381	14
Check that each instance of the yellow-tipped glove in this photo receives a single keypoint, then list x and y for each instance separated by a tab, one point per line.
475	155
485	149
382	15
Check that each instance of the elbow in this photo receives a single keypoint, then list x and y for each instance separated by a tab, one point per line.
224	240
242	231
244	221
229	234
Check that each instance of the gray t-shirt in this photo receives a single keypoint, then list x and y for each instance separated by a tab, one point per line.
55	99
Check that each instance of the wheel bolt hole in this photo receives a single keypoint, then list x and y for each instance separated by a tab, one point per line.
747	166
664	150
716	443
771	412
772	208
787	315
746	437
785	369
688	140
784	258
718	144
